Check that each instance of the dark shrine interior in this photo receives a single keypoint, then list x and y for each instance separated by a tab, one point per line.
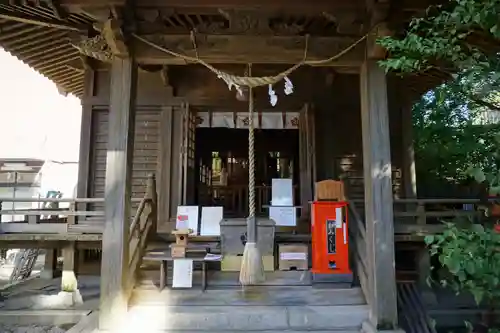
225	150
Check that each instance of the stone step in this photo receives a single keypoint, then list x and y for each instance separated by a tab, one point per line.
257	308
196	318
257	296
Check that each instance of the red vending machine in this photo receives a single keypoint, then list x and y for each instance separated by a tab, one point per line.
330	242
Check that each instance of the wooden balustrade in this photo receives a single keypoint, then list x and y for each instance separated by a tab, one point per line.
143	226
357	237
62	221
234	198
425	216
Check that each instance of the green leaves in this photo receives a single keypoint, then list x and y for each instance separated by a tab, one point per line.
452	143
452	40
443	33
477	174
471	255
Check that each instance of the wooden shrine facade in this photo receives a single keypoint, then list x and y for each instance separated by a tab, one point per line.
141	104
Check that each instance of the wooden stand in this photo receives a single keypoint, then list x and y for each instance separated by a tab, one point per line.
178	250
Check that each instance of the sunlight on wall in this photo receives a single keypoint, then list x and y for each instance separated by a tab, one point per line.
35	120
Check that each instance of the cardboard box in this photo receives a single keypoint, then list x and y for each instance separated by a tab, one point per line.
293	257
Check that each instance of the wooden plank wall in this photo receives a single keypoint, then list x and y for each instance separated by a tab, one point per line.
146	148
154	100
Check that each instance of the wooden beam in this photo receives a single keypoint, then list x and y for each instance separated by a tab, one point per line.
115	257
59	12
113	35
378	196
248	49
232	4
39	228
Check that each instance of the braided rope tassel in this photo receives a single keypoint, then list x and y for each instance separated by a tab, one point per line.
251	156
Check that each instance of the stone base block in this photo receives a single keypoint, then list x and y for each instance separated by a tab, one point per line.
233	263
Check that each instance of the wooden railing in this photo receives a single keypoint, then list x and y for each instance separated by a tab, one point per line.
53	220
358	249
234	198
75	219
142	227
426	215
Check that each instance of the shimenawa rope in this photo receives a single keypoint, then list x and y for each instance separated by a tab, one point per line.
252	82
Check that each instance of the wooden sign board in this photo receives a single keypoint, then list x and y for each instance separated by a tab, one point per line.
329	190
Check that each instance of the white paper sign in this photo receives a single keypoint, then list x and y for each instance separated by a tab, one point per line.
213	257
187	218
183	273
282	192
210	221
293	256
283	216
338	217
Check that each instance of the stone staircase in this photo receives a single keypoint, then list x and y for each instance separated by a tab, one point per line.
226	307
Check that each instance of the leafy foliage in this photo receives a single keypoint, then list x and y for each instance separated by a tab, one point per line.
446	38
450	139
461	37
472	256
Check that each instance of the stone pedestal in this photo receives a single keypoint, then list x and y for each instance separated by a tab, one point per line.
233	240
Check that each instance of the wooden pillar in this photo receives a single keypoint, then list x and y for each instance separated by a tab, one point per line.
68	280
378	196
165	168
85	138
409	175
115	256
50	264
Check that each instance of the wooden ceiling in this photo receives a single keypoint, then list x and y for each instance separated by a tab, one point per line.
41	32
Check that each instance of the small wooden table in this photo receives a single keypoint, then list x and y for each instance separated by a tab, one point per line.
164	257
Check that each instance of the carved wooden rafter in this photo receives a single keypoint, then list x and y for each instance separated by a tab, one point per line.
168	20
49	23
113	34
247	22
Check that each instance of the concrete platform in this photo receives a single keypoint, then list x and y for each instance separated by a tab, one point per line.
261	308
248	318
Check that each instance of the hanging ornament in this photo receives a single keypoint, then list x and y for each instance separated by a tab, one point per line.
273	99
288	86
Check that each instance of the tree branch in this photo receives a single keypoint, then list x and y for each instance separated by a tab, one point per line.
482	102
